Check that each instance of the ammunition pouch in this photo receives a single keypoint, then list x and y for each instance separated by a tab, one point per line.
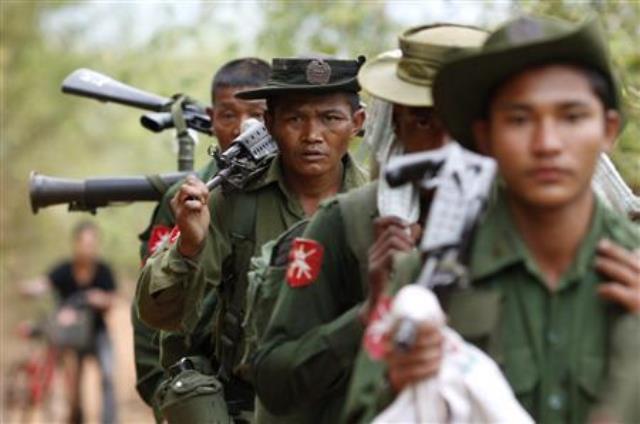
192	394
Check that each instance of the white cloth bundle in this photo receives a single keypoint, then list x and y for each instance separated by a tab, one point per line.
469	388
612	189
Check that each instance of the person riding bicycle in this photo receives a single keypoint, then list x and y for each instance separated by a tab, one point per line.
85	289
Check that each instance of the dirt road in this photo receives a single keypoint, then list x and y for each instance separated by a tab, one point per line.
131	409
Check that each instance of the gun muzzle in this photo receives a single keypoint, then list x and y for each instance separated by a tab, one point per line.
157	121
92	193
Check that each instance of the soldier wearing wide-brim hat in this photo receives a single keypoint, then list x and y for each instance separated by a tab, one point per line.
470	78
308	350
220	232
405	76
540	97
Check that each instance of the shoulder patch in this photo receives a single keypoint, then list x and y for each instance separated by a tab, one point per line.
280	253
174	234
380	322
305	261
161	234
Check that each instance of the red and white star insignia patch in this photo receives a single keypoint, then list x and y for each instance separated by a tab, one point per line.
174	234
305	261
379	324
160	234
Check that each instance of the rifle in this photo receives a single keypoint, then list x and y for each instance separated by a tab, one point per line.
248	155
462	181
179	111
92	193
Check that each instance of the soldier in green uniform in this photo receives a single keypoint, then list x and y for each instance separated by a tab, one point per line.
227	114
313	112
541	99
306	355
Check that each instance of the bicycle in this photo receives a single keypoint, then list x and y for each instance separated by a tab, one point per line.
38	386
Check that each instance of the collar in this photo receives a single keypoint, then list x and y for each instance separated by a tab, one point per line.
352	176
498	244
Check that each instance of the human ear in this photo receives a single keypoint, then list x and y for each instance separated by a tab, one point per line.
612	123
358	120
482	137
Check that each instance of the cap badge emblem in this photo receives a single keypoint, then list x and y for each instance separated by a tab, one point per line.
318	72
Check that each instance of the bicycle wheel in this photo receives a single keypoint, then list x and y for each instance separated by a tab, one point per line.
53	382
17	396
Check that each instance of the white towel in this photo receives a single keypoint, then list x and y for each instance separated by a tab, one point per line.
469	388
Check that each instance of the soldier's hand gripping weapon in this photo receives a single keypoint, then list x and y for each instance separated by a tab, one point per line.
462	181
247	156
92	193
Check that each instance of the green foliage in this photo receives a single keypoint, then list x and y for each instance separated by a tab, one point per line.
344	29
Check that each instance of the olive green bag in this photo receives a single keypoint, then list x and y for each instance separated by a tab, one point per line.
193	394
266	273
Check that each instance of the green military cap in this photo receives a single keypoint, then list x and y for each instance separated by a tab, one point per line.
464	84
308	75
405	76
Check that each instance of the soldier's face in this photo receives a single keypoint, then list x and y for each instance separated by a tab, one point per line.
313	131
228	113
418	128
546	129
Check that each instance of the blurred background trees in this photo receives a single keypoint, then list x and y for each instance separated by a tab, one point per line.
173	47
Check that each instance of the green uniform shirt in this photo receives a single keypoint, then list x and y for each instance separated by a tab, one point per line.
146	341
170	286
562	351
308	350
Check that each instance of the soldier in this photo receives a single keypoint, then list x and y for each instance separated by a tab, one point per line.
313	111
306	356
227	114
540	98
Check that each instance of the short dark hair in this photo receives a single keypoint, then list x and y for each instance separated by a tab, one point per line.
352	98
601	86
83	226
244	72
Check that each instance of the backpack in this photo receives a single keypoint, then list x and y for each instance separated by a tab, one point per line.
357	207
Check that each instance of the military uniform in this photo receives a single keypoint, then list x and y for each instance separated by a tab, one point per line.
171	286
306	356
563	352
147	341
292	370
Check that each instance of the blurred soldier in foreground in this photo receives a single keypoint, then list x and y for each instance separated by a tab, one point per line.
313	112
548	258
84	282
155	351
306	357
